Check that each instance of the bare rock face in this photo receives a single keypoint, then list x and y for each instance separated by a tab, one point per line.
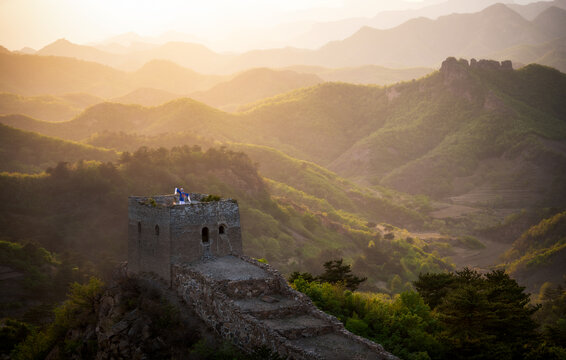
492	65
457	76
457	69
454	70
506	65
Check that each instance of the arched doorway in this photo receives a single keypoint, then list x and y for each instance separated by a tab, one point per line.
205	235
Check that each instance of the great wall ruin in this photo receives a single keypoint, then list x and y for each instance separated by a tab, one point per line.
197	249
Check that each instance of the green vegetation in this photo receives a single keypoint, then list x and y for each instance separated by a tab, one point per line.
491	129
35	280
481	314
210	198
309	184
459	315
122	141
28	152
80	208
404	326
78	311
335	273
253	85
537	256
552	315
33	261
49	108
12	332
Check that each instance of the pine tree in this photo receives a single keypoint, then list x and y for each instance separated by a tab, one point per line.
336	271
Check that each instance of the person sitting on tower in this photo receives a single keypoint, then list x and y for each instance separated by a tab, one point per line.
183	196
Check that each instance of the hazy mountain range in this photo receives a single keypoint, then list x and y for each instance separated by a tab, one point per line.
156	82
381	135
417	42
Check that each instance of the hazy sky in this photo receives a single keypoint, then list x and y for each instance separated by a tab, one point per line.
36	23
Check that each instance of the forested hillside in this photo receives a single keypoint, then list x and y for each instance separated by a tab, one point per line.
293	229
254	85
28	152
538	256
47	107
455	132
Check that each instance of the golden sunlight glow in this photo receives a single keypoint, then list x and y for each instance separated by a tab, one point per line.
36	23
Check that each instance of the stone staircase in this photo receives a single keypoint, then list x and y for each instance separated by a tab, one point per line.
251	304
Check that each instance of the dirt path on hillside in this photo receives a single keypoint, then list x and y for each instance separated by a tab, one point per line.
483	259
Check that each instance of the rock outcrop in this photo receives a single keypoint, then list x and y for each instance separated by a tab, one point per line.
457	68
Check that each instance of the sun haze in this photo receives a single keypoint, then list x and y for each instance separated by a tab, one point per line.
35	23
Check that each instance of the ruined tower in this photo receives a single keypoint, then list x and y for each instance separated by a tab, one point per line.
162	233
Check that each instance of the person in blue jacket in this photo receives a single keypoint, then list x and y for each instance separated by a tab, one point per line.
183	196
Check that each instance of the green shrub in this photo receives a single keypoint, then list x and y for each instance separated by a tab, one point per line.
210	198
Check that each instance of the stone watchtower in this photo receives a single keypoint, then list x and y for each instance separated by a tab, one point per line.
162	233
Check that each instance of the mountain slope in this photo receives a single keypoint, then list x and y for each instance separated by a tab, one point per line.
22	151
39	75
171	77
63	47
146	97
470	129
368	74
426	42
180	115
317	123
55	75
552	22
469	126
539	255
532	10
193	56
324	191
253	85
552	53
49	108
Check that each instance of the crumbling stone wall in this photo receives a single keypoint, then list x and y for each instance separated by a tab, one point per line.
219	303
243	300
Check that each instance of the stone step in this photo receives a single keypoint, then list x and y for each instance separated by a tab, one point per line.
247	289
336	346
270	306
301	326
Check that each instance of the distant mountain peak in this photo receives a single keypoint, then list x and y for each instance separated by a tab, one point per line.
57	45
501	10
62	41
552	12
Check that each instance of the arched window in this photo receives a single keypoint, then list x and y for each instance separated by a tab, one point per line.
205	235
157	230
139	227
221	229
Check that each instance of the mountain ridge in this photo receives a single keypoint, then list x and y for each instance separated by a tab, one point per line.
431	40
